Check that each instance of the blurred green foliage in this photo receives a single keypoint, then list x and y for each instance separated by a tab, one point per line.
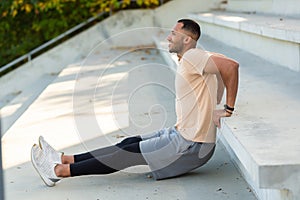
26	24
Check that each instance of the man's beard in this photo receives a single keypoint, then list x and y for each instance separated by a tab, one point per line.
173	50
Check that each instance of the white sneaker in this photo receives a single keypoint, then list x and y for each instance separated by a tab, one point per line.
43	166
48	150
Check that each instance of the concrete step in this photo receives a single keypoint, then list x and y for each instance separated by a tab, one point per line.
282	8
263	135
274	38
115	93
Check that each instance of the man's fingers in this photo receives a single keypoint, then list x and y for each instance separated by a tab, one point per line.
217	115
217	122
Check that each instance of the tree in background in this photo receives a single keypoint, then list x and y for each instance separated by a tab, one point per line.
26	24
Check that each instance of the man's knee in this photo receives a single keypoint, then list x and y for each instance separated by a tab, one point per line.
132	148
128	141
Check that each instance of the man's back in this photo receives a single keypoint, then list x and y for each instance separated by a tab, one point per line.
196	97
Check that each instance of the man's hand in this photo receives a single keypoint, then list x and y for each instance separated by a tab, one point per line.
217	114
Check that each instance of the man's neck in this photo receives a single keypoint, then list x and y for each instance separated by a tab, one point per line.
179	55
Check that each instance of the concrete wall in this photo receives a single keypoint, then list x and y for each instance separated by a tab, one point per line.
286	7
166	15
249	6
278	7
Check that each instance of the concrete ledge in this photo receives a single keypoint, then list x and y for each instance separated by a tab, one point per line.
263	136
271	37
279	7
282	28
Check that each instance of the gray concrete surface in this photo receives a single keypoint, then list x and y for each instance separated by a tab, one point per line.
275	7
109	104
264	134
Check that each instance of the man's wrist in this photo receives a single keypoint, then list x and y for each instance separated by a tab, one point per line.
227	113
226	107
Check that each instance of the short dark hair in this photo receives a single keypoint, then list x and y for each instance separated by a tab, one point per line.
191	26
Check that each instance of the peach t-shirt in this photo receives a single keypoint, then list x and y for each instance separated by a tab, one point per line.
196	97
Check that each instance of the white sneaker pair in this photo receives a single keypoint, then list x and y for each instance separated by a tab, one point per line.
44	159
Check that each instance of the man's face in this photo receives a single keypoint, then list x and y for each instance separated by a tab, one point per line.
176	38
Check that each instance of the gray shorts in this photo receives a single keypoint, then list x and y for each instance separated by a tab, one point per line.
168	154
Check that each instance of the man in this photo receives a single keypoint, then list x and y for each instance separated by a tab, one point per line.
200	80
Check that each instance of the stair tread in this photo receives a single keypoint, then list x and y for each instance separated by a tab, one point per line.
283	28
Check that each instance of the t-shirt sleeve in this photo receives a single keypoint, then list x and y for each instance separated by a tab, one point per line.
195	60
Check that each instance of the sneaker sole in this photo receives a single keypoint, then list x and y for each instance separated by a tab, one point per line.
46	180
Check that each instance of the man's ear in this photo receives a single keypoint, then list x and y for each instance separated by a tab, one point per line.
187	39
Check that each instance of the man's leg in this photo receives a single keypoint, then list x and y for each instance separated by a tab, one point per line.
129	155
69	159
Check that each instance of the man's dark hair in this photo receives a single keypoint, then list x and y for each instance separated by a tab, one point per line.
192	27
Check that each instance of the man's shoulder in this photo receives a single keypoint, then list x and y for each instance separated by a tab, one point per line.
195	55
195	50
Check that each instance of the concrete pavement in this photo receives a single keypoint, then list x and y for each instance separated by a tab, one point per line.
114	93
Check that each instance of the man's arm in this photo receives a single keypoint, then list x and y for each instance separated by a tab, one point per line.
220	88
226	69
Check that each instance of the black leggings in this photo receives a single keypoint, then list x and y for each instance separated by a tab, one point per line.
109	159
